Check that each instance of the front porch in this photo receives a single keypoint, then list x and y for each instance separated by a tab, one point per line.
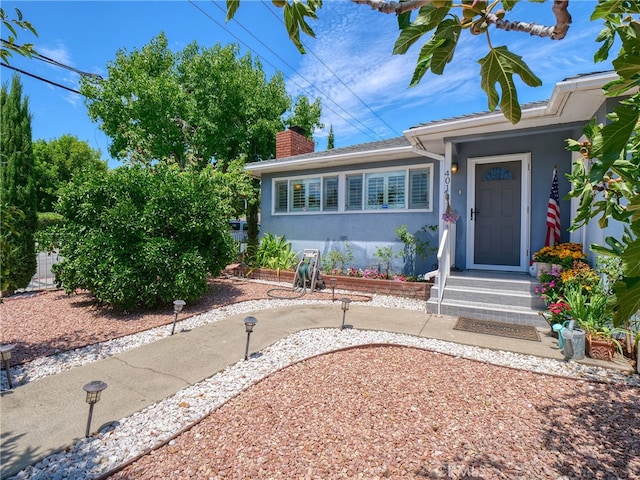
490	295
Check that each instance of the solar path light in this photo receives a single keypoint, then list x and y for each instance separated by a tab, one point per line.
333	282
5	355
177	308
249	323
345	307
93	389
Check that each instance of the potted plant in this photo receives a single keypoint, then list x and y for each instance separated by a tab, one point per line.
562	256
590	312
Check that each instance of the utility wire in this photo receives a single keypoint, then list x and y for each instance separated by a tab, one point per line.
335	75
51	61
293	69
39	78
276	68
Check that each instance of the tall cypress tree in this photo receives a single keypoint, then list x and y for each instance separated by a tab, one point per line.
331	140
17	188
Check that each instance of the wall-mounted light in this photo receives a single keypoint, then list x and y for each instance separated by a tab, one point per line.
454	167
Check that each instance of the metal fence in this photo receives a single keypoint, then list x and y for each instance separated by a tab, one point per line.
44	278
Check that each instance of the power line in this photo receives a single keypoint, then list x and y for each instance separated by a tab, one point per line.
292	80
51	61
302	76
335	75
39	78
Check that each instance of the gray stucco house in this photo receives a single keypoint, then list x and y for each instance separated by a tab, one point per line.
497	177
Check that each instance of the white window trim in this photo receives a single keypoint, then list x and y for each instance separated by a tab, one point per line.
342	190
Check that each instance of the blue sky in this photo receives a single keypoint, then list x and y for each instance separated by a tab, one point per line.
349	65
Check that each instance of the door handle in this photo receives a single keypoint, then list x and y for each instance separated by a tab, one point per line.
472	212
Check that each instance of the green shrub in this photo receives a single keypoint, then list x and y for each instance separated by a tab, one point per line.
141	237
49	219
275	252
335	261
9	235
386	256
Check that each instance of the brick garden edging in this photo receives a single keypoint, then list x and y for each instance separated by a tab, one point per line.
421	290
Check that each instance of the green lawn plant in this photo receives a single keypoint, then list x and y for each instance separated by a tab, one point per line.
275	252
414	247
335	261
589	310
140	237
385	255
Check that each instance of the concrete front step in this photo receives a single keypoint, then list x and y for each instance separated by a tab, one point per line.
491	296
514	282
504	297
482	311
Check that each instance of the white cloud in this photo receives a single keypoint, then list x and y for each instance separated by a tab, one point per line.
356	44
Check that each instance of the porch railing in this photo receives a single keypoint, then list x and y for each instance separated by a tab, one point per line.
444	265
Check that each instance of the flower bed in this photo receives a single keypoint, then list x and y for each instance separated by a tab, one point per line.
419	290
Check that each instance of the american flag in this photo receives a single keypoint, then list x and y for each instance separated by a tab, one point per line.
553	213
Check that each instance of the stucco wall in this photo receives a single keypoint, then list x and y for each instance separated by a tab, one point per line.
364	231
593	233
547	150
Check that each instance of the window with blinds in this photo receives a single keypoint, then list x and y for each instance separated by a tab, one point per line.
379	189
330	193
385	190
419	188
354	192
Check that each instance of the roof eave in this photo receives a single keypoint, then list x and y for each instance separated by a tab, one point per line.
258	168
558	107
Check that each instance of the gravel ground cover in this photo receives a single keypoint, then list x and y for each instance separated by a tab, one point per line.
50	322
400	412
375	412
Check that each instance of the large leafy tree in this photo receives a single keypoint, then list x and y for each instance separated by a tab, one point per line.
193	108
17	188
609	188
57	161
307	116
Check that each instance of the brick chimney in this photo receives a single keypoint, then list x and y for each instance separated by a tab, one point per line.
293	142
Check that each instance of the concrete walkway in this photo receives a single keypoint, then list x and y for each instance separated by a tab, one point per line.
47	415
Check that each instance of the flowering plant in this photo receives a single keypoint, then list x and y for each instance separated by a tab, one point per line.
581	274
551	287
373	274
562	254
559	312
450	217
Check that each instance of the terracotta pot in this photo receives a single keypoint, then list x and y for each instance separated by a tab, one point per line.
600	348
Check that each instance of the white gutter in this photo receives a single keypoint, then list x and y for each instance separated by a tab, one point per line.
552	109
425	153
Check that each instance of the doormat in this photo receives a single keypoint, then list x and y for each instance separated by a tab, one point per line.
500	329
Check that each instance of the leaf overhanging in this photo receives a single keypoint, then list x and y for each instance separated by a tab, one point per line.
498	67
